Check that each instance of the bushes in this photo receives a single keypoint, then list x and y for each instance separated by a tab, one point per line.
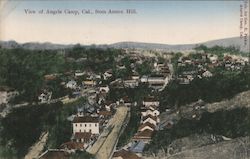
223	85
22	128
232	124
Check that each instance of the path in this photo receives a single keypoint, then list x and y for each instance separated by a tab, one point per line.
104	146
37	148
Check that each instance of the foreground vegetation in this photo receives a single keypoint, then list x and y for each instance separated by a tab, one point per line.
23	127
232	124
223	85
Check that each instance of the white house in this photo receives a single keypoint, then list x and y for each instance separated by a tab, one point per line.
148	101
71	84
207	74
144	79
130	83
156	80
150	112
45	97
85	124
213	58
79	73
6	94
89	83
150	120
104	89
108	74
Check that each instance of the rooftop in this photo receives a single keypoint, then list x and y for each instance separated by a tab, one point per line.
85	119
125	154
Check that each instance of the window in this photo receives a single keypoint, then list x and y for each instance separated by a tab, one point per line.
76	125
95	125
89	125
85	125
80	125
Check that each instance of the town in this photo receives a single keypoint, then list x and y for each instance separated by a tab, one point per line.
122	106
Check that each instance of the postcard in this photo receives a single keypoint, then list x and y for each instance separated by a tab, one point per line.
124	79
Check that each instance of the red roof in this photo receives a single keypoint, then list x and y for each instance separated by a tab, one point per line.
85	119
150	116
150	99
83	135
72	145
146	134
125	154
105	113
145	125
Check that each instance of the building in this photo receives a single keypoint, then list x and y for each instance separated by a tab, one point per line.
146	126
149	101
130	83
83	137
144	136
104	88
89	83
79	73
71	84
45	97
72	146
150	112
85	124
124	154
6	94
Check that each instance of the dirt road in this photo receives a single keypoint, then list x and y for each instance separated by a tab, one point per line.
104	146
37	148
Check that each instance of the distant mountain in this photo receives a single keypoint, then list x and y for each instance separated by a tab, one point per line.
235	41
33	45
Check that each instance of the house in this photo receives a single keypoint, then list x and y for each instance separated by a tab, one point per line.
144	136
213	58
124	154
104	88
137	147
83	137
107	74
150	100
50	77
156	79
207	74
125	101
89	83
45	97
150	112
144	79
6	94
130	83
72	146
85	124
120	66
79	73
55	154
150	119
71	84
135	76
105	114
146	126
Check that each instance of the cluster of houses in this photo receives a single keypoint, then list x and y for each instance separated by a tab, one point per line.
92	119
200	66
148	124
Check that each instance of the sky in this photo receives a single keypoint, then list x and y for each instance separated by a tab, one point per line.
167	22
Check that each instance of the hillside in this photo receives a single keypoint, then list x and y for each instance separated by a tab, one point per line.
235	41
